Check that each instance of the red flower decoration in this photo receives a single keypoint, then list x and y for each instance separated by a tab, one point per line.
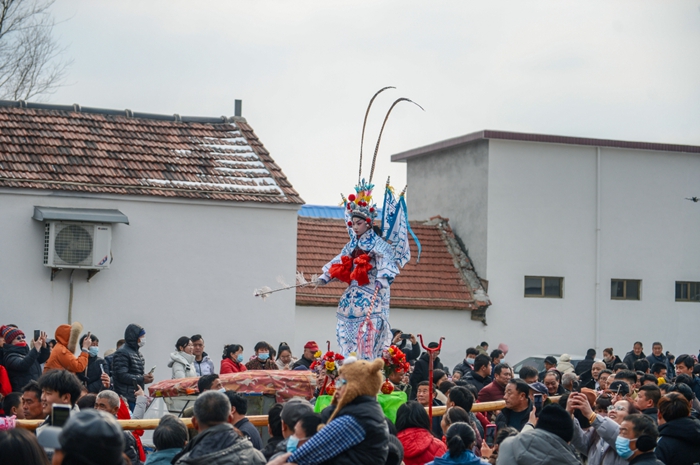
351	197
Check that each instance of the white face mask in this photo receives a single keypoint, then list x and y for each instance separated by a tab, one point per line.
142	341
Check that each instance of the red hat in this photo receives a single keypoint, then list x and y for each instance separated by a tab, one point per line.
311	345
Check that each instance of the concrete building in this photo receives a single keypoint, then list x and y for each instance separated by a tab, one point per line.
210	217
584	242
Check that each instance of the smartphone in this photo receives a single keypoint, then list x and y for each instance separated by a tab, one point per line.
405	336
490	434
37	334
538	404
102	368
59	414
152	370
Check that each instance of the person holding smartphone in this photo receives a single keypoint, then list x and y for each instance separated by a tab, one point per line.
23	359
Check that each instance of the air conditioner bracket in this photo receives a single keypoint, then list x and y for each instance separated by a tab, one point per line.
92	273
54	272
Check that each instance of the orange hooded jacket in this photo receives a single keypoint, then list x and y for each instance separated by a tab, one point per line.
62	358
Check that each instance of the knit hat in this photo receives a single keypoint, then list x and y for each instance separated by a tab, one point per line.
363	379
565	358
92	436
556	420
10	333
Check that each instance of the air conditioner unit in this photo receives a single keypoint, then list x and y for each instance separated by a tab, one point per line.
77	245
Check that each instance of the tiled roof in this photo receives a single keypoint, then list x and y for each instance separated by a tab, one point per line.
105	151
440	281
542	138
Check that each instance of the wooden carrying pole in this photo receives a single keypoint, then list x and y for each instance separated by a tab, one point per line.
257	420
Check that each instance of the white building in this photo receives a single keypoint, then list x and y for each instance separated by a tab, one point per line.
210	218
606	221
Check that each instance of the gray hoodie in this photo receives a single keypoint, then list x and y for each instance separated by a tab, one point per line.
536	446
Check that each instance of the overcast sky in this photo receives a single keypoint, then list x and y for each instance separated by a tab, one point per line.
306	70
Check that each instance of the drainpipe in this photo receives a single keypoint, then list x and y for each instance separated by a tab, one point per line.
597	248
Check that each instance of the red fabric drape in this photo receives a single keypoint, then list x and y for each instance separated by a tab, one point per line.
341	271
362	267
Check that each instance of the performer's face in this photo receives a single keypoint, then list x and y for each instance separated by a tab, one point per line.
360	226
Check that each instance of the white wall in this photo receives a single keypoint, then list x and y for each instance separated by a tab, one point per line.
542	221
318	323
180	268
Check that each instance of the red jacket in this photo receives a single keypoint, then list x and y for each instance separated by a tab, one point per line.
229	366
492	392
420	446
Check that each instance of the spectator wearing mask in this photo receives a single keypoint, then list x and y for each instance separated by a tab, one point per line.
203	364
62	357
22	362
635	354
481	375
108	402
550	363
518	406
409	346
466	365
414	432
93	376
262	360
239	407
598	442
679	434
546	444
89	437
497	356
129	365
31	402
305	429
182	361
460	439
12	405
232	359
274	429
169	437
217	442
637	440
20	447
58	387
647	400
292	412
285	360
610	359
308	357
502	374
421	369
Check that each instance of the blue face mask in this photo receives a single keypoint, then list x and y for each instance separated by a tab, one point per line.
263	356
470	361
622	447
292	443
239	358
94	351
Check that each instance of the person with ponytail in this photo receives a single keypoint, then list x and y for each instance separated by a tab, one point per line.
232	359
460	439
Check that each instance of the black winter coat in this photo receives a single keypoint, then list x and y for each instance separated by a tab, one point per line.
463	367
630	358
477	380
92	375
679	442
420	371
23	365
128	364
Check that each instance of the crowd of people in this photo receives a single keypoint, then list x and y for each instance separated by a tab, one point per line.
637	409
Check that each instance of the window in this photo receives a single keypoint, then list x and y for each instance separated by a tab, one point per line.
625	289
687	291
542	286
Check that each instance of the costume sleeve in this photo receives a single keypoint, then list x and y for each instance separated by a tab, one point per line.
326	268
384	262
338	436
